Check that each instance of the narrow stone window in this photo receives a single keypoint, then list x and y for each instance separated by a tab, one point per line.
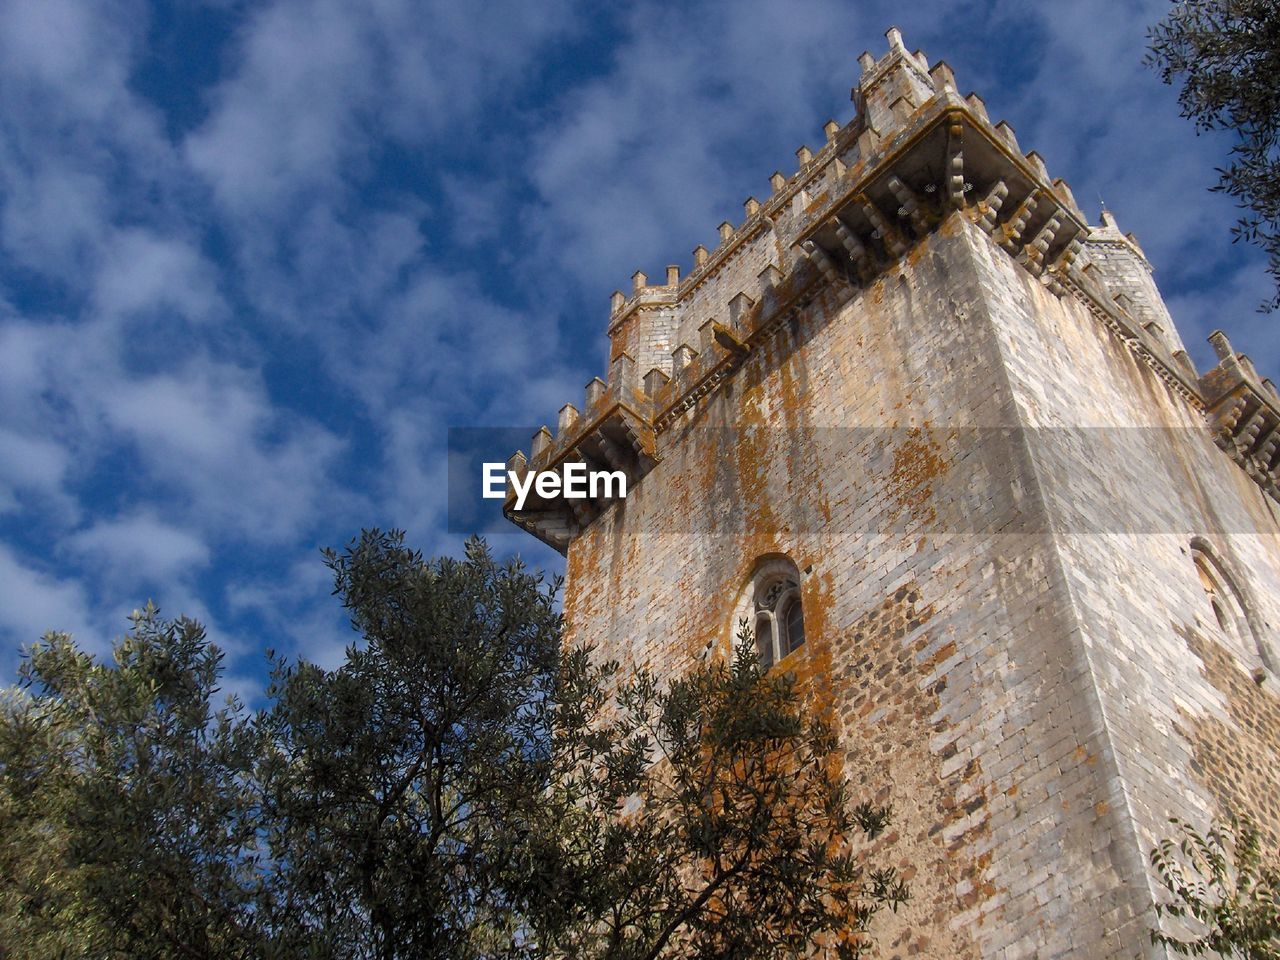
772	604
764	638
794	621
1230	611
1213	590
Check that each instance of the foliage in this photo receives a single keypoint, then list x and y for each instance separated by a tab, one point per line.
1226	53
128	817
402	782
459	787
709	820
39	906
1223	888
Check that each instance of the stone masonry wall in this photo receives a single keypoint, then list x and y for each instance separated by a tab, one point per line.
1132	478
988	457
876	441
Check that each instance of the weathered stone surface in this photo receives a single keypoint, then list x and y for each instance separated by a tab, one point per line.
995	478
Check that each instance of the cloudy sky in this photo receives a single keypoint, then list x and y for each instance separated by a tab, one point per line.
256	258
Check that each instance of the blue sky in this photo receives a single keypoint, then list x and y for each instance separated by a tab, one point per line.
256	258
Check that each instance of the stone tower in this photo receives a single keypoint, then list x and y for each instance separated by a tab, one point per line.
1035	554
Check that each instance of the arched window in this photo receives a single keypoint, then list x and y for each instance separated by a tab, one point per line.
1220	599
1230	612
772	605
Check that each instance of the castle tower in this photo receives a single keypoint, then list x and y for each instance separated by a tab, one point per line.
936	437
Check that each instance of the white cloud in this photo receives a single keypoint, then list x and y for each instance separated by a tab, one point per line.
477	207
315	81
298	609
283	123
32	602
52	217
30	465
125	367
205	436
142	271
211	433
80	51
158	394
140	547
79	147
641	164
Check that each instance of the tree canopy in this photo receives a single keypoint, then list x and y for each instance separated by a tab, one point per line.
1226	55
459	787
129	814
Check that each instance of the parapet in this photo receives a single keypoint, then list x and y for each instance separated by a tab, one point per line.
1243	413
891	88
915	154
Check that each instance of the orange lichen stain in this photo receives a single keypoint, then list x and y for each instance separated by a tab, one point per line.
1080	753
775	455
916	464
753	461
817	202
915	254
818	597
625	339
951	226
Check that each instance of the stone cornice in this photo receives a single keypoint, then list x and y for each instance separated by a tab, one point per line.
937	155
1243	414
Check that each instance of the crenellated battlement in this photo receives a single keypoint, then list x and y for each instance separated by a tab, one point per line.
915	154
1243	412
